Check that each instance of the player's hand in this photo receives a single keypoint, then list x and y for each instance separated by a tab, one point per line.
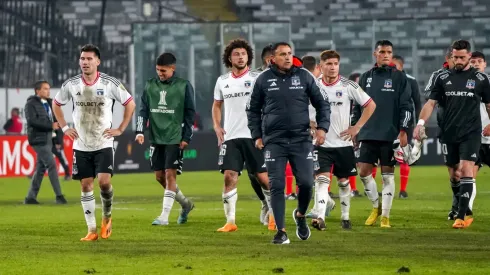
403	138
416	132
56	126
486	131
220	134
259	144
320	136
350	133
183	144
71	133
140	139
109	133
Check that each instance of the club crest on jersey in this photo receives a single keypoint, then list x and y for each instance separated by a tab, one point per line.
388	83
295	81
338	93
100	91
267	154
470	84
248	83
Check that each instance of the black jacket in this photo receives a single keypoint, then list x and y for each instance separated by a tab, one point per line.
39	126
390	90
415	95
278	108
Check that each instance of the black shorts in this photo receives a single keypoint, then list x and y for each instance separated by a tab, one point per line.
465	150
372	151
483	155
234	152
90	164
342	159
166	156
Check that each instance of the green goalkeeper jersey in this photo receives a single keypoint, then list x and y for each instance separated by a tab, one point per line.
169	106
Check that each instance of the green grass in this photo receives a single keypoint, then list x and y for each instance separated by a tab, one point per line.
44	239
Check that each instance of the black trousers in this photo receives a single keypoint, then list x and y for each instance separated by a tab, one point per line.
300	156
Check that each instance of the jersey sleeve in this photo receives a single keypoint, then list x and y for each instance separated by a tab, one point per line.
63	96
218	94
437	90
120	94
357	94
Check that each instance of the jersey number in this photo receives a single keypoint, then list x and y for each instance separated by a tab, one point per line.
315	155
222	151
444	149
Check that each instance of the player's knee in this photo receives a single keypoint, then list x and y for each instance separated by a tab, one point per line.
231	177
87	184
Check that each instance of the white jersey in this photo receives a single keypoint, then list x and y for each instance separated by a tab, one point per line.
484	121
234	91
92	108
340	94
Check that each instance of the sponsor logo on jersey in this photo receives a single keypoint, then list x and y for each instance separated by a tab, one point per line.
295	81
470	84
89	104
338	93
162	100
388	83
273	84
460	93
233	95
334	103
248	83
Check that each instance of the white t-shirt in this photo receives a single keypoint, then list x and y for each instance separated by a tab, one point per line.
484	121
92	108
234	91
340	94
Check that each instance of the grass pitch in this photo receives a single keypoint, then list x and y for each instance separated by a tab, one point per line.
44	239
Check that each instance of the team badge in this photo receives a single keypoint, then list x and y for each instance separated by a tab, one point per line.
100	91
295	81
248	83
388	83
338	93
267	154
470	84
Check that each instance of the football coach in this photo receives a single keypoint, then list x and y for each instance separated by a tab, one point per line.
278	119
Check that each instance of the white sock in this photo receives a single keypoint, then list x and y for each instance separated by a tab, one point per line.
168	202
322	196
315	204
106	198
388	191
344	196
371	190
267	195
180	198
473	195
229	203
88	205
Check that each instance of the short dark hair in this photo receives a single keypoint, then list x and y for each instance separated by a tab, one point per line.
91	48
383	43
39	84
237	44
15	109
353	76
166	59
329	54
461	45
309	62
399	57
267	50
277	45
477	54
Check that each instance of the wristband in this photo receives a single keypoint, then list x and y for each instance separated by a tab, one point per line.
421	122
64	129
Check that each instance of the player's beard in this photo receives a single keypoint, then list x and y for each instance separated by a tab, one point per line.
240	67
460	67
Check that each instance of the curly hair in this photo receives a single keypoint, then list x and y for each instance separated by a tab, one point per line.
237	44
